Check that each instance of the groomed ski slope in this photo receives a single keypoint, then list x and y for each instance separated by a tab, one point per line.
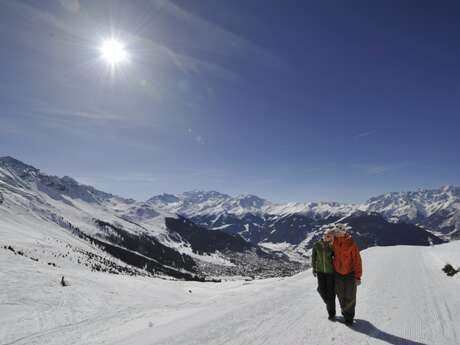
405	298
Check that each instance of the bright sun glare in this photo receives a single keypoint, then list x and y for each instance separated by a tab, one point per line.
113	52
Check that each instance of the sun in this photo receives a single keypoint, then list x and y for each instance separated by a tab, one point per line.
113	52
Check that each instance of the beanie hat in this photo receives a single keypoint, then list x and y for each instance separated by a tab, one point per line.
341	229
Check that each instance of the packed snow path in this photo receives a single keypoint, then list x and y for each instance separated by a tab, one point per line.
405	298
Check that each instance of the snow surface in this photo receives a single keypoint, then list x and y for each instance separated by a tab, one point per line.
405	298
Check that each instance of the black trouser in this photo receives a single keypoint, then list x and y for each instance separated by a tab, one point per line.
326	289
345	287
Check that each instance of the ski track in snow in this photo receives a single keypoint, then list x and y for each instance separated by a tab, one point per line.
405	298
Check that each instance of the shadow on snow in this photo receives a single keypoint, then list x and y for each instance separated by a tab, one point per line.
365	327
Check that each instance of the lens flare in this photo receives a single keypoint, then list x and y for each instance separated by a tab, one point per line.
113	52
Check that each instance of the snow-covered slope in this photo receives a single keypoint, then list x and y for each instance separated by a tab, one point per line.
155	241
63	200
66	218
404	298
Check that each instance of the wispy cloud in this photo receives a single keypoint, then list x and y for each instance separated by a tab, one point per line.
51	110
216	38
160	177
365	134
84	114
71	5
152	51
82	123
377	169
323	167
59	110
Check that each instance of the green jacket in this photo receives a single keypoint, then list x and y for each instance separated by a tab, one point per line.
321	257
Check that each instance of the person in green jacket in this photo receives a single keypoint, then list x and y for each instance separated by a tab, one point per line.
321	263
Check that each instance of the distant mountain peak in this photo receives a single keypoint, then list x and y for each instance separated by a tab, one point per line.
69	180
203	194
17	165
208	202
10	159
249	196
54	186
251	201
450	188
163	198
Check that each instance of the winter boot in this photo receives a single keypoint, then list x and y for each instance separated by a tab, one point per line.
331	309
348	321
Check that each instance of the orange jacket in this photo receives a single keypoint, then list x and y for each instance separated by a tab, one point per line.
346	256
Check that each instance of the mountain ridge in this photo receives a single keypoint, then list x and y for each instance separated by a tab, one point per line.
150	241
415	207
437	210
217	202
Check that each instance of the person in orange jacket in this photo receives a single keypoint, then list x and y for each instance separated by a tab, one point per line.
348	271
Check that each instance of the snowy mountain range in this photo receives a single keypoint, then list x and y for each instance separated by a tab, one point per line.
205	234
293	224
210	203
112	233
435	209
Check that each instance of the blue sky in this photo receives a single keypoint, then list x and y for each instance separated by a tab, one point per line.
289	100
